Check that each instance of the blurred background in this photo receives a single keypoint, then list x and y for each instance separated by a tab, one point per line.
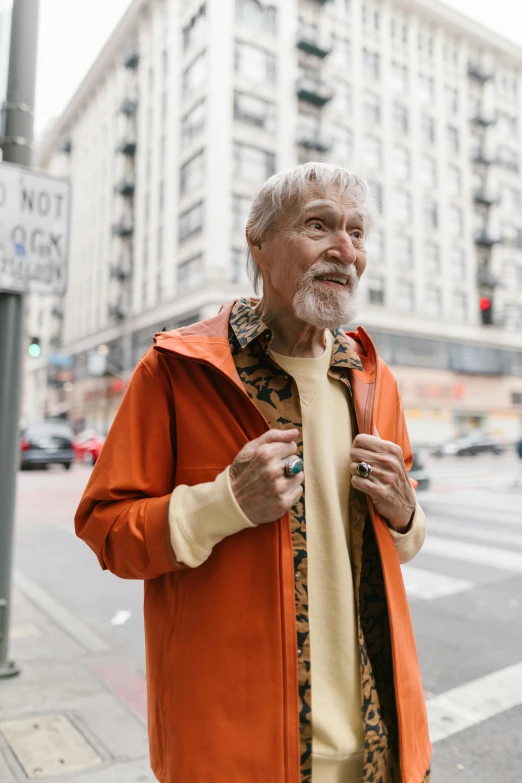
165	116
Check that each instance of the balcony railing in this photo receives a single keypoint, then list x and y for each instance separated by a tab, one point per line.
125	187
124	228
127	146
318	143
309	43
129	106
116	311
477	71
479	156
314	91
120	271
483	118
484	238
484	197
131	59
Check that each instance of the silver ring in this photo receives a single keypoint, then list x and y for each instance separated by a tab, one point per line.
364	470
293	466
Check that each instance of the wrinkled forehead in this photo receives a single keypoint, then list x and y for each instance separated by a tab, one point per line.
314	199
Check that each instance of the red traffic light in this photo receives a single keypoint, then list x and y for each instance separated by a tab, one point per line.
485	303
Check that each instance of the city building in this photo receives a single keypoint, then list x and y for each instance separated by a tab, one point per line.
5	33
192	105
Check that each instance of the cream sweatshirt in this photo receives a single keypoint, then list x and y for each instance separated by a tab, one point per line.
203	515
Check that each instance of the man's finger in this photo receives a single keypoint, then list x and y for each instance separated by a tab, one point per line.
277	436
369	442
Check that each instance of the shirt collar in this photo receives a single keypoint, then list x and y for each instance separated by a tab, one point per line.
248	326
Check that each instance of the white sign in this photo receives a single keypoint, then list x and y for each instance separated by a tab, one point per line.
34	231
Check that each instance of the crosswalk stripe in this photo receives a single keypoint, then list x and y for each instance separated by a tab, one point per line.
473	553
476	701
479	534
428	585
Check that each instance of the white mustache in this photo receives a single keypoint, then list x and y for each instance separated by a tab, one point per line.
320	269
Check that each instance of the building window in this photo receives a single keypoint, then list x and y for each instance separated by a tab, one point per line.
377	192
458	263
253	164
404	252
194	32
430	214
342	101
433	302
428	172
256	14
190	273
240	210
426	89
372	152
455	221
460	306
401	162
239	267
507	158
341	55
454	180
516	398
431	258
401	206
159	273
191	222
161	195
405	296
193	123
165	63
453	140
342	143
371	64
452	99
428	129
376	290
400	77
400	119
192	174
510	199
255	63
254	111
372	109
195	75
374	246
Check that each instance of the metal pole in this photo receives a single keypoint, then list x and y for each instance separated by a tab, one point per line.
18	115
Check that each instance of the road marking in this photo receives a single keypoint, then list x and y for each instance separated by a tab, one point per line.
493	536
428	585
474	702
61	616
473	553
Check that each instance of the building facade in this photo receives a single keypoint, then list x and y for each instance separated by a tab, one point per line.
192	105
5	35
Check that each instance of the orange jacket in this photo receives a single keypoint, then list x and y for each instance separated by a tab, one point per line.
220	639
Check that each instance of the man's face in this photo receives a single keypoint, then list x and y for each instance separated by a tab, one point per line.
314	258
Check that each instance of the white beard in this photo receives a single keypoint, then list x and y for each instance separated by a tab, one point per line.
322	306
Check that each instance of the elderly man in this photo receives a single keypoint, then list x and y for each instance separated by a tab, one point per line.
256	478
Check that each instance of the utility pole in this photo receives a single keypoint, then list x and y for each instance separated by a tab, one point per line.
16	142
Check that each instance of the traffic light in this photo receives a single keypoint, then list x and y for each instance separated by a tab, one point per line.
486	310
34	348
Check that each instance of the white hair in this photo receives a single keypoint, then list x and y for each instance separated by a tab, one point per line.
288	187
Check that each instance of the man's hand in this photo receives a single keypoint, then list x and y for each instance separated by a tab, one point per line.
258	479
388	486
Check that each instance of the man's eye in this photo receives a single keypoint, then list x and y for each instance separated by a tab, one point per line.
317	225
358	234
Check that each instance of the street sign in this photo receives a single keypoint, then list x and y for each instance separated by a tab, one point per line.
34	231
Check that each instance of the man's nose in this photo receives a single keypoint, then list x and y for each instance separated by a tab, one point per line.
343	250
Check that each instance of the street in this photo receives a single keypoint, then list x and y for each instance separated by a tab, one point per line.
465	590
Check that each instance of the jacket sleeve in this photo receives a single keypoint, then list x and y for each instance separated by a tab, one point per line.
123	514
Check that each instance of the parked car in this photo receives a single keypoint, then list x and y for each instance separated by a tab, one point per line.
418	471
46	443
87	446
475	442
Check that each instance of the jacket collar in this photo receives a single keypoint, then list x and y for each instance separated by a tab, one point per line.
208	342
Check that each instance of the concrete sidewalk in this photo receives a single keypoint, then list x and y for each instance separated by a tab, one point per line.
76	713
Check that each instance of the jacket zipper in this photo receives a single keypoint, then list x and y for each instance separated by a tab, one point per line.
242	392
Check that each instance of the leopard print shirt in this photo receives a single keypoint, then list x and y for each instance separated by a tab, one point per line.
275	394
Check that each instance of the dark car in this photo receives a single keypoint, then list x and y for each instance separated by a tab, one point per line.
46	443
418	471
475	442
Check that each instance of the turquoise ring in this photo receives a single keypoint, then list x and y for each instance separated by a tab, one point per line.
293	466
